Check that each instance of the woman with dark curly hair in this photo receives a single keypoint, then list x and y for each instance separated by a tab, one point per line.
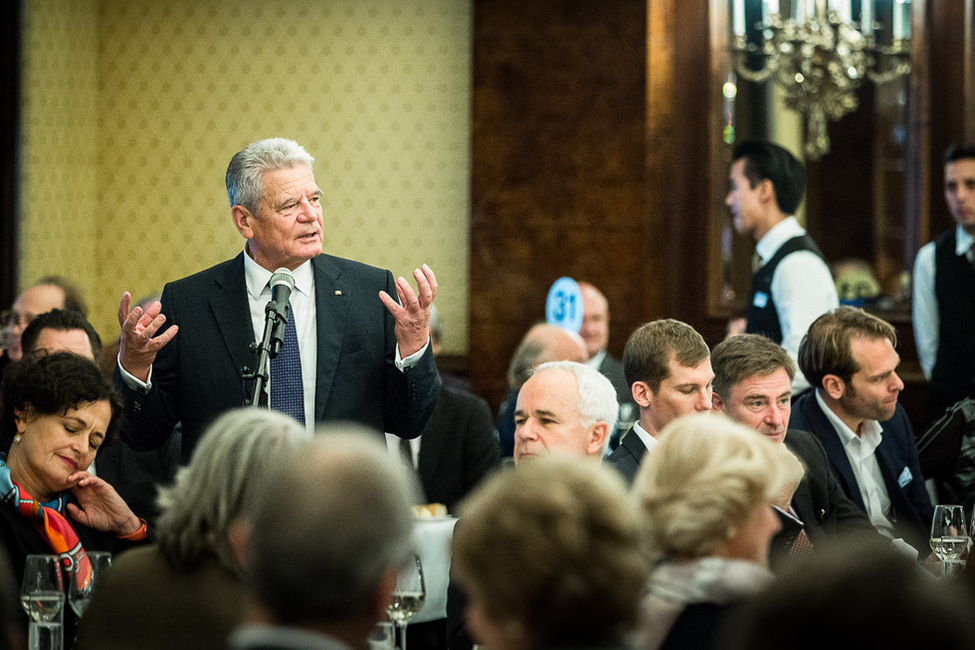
56	412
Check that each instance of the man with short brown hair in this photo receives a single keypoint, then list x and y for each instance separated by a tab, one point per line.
752	385
944	282
849	357
793	284
668	367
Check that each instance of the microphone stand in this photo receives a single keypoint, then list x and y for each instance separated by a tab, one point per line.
275	321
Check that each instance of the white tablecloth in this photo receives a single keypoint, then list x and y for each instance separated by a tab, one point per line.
431	538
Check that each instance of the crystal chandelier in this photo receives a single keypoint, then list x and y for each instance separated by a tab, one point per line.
819	56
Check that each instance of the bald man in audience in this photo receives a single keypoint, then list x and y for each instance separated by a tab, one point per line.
565	406
542	343
668	366
135	475
753	386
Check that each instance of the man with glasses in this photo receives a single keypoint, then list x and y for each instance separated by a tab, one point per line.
51	292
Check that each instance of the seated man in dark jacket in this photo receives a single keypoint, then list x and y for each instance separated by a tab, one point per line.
848	355
752	385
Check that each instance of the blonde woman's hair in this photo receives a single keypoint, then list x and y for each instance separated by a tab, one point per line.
707	476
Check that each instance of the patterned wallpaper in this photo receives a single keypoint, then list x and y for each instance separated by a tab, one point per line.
134	117
59	180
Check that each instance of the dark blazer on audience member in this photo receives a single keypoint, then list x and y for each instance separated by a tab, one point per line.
146	603
198	374
458	447
826	512
897	457
627	457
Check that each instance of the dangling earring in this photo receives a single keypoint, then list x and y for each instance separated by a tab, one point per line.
17	438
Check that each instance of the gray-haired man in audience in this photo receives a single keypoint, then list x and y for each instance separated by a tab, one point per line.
564	405
326	543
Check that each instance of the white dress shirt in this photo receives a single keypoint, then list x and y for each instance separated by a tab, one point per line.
802	288
648	440
860	451
927	320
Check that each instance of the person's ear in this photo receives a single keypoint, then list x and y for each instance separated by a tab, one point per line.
239	538
717	404
243	220
641	393
22	417
598	433
834	386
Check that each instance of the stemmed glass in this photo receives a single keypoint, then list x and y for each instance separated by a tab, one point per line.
80	595
42	597
949	534
407	597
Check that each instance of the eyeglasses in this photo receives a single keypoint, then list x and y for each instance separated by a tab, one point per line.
11	318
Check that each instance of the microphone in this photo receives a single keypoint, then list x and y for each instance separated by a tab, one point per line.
276	312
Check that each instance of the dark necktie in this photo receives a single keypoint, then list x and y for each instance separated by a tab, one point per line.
287	395
802	546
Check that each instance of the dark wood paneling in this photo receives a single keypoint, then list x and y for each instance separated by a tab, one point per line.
558	161
946	56
594	150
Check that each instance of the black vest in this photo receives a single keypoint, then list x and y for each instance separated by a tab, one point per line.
954	287
761	315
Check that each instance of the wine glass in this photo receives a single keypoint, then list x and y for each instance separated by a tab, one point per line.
407	597
949	534
382	636
42	592
79	595
42	597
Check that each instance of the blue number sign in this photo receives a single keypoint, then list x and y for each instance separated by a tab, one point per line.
564	304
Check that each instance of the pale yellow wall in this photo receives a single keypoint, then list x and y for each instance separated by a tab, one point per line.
377	90
59	188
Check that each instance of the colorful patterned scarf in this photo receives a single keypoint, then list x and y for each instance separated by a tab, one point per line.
50	523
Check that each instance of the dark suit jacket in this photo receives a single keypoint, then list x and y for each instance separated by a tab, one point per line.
897	457
819	501
137	475
458	447
208	599
200	373
627	457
